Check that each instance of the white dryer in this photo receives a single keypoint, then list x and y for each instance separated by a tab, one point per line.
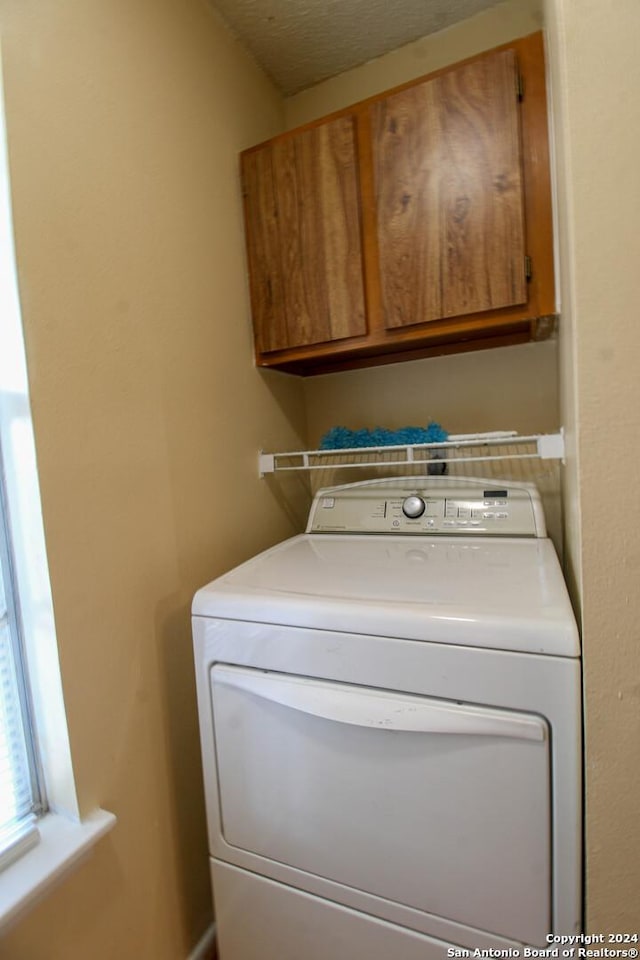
391	731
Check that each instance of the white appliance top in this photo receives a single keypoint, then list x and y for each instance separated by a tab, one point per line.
482	589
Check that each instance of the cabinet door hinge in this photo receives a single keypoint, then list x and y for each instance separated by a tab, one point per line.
519	86
527	268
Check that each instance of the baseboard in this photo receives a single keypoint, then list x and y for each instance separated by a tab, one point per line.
203	949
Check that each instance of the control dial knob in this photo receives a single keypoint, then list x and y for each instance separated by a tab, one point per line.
413	507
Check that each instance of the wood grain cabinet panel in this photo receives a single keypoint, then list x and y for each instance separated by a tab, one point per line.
449	194
303	232
263	251
412	224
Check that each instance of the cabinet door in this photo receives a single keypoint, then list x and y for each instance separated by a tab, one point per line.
303	230
449	194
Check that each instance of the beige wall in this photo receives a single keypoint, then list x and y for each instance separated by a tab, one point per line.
124	123
556	53
595	68
458	391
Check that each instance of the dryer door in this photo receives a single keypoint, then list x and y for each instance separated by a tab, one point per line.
441	806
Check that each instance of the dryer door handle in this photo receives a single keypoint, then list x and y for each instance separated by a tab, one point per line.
380	709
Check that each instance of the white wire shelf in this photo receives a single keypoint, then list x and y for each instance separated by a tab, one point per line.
481	447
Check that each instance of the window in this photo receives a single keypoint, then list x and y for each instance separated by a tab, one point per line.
21	795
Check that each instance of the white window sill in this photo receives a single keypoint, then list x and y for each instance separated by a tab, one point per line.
62	843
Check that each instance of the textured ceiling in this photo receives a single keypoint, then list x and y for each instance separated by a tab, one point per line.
300	42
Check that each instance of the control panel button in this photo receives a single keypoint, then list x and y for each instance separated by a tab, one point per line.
413	507
502	516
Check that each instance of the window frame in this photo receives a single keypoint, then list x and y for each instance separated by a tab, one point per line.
39	803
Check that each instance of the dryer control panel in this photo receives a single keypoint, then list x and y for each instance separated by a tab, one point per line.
430	505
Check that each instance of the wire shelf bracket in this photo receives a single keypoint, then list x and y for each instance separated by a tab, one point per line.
481	447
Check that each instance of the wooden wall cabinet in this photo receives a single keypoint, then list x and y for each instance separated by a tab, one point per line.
412	224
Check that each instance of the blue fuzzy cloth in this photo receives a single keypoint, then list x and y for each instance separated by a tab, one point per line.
339	438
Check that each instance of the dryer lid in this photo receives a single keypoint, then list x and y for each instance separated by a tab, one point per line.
505	594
